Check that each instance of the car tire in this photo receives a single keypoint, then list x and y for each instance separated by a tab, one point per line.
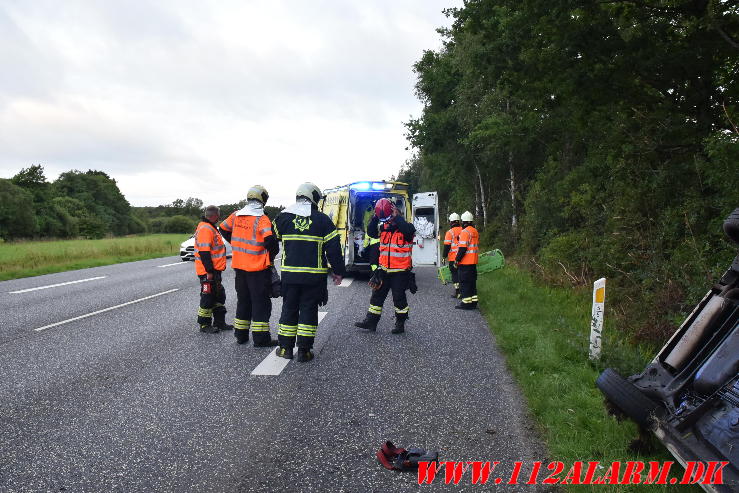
627	397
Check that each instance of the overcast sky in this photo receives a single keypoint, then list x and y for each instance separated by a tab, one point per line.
205	98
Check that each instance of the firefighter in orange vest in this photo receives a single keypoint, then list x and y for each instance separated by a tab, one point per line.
254	247
466	262
210	262
394	273
450	249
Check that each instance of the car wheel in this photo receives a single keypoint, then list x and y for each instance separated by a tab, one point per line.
627	397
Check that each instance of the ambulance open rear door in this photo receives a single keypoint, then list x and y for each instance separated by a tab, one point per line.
426	220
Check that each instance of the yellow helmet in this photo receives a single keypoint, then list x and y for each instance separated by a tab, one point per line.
257	192
310	191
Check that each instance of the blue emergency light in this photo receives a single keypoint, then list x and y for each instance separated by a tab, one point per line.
362	185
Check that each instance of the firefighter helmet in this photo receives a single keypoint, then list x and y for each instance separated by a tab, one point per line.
383	209
257	192
453	217
310	192
467	217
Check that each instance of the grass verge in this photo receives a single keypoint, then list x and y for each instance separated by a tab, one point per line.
33	258
544	333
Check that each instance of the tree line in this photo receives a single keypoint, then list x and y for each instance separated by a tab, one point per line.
590	138
89	205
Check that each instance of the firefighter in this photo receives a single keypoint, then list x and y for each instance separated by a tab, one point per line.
450	249
394	273
254	246
309	238
371	242
210	262
466	262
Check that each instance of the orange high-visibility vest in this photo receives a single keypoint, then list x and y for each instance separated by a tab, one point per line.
395	253
451	238
247	241
208	239
469	238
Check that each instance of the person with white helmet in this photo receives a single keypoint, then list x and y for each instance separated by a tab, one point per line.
450	249
255	247
309	239
466	262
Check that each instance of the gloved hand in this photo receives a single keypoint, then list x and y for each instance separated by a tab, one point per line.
376	280
275	283
337	279
412	287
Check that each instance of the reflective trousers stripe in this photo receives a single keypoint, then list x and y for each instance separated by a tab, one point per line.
287	330
307	330
402	310
377	310
205	312
260	326
240	324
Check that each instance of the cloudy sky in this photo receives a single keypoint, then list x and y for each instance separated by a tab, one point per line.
205	98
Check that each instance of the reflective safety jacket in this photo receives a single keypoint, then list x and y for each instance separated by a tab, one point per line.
451	240
469	246
396	243
307	243
248	235
210	251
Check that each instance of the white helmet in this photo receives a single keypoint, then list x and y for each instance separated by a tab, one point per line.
310	192
257	192
467	217
453	217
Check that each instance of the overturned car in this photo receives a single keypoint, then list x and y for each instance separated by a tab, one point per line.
689	394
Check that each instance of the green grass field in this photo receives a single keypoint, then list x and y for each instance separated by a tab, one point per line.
544	333
33	258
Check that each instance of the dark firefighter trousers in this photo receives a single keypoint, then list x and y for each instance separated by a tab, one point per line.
299	319
455	277
468	284
212	301
253	305
397	282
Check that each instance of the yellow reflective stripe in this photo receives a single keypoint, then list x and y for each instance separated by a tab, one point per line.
241	324
205	312
402	310
307	330
332	234
287	330
307	270
392	270
317	239
377	310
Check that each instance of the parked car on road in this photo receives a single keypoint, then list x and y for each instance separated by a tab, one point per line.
689	394
187	249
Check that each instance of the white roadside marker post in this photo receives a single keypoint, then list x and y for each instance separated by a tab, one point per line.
596	321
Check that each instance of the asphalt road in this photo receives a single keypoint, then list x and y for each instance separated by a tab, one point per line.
134	398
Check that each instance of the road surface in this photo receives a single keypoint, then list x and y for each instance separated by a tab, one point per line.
108	386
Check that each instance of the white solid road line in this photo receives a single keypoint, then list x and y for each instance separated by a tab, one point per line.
273	364
105	310
347	281
56	285
170	265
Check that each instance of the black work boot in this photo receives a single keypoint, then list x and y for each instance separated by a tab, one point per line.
284	352
399	326
223	325
242	336
263	339
466	306
209	329
219	320
304	355
369	322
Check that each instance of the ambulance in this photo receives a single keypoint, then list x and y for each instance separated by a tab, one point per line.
351	207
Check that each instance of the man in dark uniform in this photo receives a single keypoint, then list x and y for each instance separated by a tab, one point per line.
395	265
309	238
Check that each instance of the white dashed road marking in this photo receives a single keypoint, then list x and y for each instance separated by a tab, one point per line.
347	281
56	285
273	364
104	310
170	265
